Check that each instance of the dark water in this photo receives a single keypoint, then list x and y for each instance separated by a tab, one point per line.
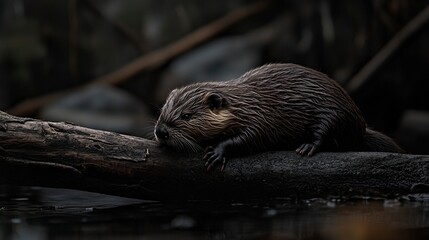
41	213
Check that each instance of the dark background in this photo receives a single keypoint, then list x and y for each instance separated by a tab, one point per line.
48	46
61	46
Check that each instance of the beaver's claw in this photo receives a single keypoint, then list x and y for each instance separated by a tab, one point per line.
213	156
308	149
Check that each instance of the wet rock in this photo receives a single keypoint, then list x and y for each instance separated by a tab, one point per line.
219	60
182	222
102	107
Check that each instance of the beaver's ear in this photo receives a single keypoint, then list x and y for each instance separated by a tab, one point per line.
215	101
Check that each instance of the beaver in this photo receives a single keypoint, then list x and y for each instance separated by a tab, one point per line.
273	107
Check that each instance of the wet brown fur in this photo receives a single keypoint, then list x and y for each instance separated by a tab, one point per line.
276	106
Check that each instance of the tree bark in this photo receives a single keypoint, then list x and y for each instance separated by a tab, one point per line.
34	152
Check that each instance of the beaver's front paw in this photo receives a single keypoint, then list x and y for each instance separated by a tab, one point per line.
213	156
308	149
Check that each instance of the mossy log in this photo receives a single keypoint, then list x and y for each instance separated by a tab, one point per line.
41	153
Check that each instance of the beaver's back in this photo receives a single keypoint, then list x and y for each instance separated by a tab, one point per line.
288	103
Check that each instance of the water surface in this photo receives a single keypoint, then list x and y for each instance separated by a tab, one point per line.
44	213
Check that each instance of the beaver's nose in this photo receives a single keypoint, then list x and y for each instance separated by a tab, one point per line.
161	132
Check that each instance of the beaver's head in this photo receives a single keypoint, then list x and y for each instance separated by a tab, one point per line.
192	115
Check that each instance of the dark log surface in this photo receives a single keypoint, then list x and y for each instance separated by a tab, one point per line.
34	152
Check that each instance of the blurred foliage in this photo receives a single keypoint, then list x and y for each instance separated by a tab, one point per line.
47	45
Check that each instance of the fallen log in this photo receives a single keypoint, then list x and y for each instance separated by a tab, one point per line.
35	152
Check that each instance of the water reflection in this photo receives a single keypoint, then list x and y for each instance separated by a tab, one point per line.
40	213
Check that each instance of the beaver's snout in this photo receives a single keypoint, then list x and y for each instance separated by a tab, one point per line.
161	133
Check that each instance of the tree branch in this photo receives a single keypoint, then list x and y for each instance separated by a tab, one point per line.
151	59
387	51
34	152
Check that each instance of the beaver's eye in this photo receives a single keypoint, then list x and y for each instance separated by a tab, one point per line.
185	116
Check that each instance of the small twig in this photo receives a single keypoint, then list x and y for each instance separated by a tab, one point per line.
388	50
150	60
